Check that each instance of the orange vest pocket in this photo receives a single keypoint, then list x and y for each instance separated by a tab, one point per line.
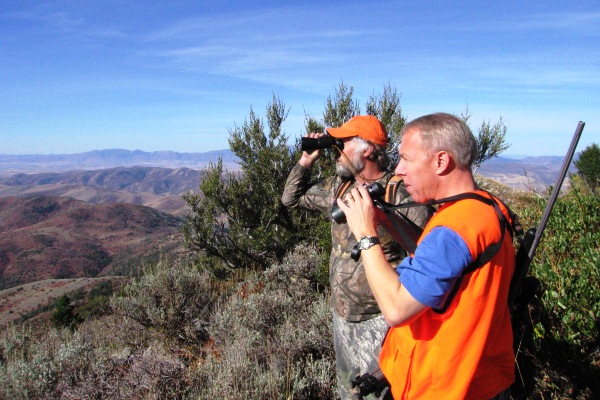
396	362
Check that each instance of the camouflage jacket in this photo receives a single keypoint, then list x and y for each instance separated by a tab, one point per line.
351	296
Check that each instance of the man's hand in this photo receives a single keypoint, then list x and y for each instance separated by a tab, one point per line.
397	305
361	214
308	158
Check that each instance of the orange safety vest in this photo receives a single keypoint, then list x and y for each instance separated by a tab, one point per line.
465	352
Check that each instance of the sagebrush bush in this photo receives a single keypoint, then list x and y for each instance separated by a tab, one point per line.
38	366
174	298
273	337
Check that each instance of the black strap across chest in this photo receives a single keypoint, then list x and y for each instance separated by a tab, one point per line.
489	252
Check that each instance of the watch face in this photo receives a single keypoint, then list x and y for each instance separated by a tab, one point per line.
366	242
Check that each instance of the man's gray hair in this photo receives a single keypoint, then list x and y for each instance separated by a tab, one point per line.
379	154
446	132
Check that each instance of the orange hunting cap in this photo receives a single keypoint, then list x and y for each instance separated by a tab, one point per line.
366	126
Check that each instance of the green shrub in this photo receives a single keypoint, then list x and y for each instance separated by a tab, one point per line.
568	265
563	319
64	314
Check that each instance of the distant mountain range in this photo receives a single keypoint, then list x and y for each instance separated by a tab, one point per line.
99	159
529	173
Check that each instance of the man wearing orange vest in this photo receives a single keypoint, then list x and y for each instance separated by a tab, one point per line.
358	327
464	351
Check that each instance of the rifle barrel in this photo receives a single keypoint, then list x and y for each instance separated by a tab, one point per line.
556	189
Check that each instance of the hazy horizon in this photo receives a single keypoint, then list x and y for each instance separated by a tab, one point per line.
502	155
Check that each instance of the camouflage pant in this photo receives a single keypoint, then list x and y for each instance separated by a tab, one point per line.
357	346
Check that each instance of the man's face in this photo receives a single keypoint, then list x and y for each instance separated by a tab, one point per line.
416	167
353	156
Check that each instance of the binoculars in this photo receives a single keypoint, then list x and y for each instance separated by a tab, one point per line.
324	142
375	191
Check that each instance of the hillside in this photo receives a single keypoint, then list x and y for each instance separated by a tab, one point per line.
60	237
26	300
529	173
159	188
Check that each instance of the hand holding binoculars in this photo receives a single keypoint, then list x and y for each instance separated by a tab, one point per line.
324	142
376	191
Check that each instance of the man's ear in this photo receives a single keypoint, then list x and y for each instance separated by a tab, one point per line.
443	162
368	152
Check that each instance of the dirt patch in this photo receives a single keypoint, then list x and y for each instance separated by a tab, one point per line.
21	300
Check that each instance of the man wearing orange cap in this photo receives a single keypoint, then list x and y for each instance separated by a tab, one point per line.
447	304
358	325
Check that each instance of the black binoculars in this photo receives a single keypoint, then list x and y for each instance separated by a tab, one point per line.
324	142
375	191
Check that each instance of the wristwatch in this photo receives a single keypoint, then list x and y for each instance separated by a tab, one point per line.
366	242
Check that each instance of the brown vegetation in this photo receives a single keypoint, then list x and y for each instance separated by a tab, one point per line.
59	237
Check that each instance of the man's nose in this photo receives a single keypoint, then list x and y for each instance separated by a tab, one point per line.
400	168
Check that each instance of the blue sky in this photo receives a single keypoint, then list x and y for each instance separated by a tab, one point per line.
179	75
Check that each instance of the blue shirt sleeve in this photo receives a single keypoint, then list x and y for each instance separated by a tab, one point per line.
438	261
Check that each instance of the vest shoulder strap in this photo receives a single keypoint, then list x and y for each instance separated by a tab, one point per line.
490	251
342	189
391	189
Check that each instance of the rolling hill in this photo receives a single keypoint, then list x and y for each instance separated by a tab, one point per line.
159	188
111	158
49	237
529	173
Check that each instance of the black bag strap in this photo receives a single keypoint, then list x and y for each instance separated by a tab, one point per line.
490	251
